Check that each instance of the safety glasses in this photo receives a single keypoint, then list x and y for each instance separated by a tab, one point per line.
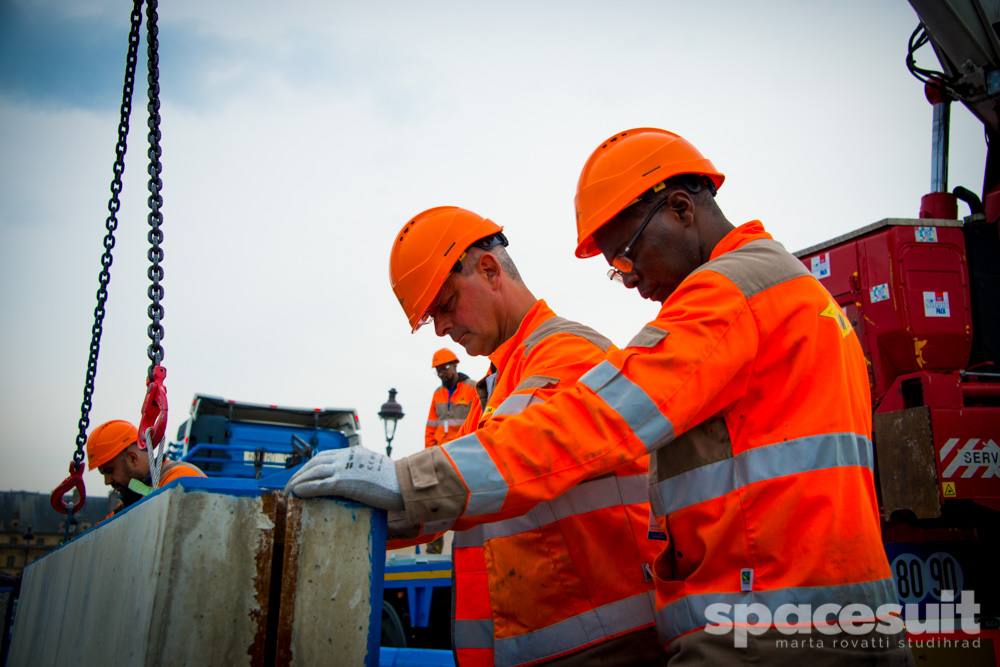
622	263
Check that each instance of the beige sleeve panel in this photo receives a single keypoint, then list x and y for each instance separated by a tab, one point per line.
431	487
555	325
400	528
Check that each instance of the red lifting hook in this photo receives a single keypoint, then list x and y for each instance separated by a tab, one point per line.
154	409
75	479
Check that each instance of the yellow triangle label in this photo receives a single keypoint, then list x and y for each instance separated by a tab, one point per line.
837	315
949	489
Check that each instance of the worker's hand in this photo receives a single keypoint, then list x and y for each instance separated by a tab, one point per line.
352	472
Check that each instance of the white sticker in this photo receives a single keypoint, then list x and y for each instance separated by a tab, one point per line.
936	304
746	580
880	293
654	532
821	265
926	234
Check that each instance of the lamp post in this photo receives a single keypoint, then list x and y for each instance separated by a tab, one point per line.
390	413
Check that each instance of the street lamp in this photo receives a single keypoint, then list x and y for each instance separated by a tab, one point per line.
390	413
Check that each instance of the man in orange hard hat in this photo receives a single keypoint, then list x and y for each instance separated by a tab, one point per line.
450	406
751	393
451	402
569	584
113	450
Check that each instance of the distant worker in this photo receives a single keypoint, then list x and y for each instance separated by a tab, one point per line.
113	450
570	583
452	400
751	390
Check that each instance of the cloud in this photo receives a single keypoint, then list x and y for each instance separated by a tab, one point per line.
299	137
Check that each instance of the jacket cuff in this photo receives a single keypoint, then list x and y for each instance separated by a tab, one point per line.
431	488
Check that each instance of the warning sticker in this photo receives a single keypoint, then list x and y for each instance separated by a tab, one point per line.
926	234
948	489
269	458
879	293
936	304
821	265
977	458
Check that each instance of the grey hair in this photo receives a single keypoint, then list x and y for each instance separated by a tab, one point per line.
506	263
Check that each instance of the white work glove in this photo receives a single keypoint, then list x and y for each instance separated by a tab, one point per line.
351	472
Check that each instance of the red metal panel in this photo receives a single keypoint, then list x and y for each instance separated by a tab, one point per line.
906	289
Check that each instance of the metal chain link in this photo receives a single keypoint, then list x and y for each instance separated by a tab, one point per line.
112	224
155	254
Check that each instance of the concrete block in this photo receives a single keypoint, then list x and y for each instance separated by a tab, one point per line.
210	572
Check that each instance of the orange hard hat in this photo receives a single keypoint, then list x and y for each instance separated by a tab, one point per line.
625	166
425	251
108	440
443	356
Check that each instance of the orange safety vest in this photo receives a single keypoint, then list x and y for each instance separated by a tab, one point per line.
752	390
178	469
171	470
569	574
449	410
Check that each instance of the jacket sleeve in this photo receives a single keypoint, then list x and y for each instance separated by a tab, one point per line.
688	364
430	438
402	533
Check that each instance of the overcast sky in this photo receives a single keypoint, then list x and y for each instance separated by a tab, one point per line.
298	137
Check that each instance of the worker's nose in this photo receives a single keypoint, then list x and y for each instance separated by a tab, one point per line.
442	326
631	279
107	479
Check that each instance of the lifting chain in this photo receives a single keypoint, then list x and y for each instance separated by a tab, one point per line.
155	254
153	424
76	467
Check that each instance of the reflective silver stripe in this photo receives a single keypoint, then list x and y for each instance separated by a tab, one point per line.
833	450
431	423
471	538
595	494
487	488
573	633
473	633
632	403
515	403
689	612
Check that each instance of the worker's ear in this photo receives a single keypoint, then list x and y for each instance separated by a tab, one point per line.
132	455
681	203
490	267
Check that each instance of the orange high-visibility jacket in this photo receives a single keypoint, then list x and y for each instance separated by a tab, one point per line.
751	388
575	572
176	469
449	410
171	470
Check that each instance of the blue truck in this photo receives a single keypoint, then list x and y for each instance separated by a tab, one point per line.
268	443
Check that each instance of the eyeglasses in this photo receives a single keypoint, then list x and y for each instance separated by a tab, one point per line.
622	263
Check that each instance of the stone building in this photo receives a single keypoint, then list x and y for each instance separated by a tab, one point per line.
29	527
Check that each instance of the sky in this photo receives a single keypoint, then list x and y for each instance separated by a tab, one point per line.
299	137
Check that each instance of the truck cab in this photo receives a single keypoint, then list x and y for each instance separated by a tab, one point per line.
233	439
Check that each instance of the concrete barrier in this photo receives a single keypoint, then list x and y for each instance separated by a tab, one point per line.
210	572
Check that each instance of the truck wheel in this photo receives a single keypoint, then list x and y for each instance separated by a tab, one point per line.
393	634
